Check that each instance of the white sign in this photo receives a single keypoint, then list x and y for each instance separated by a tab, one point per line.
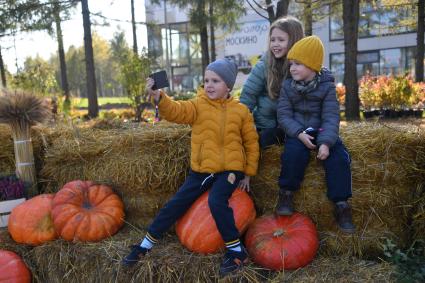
250	40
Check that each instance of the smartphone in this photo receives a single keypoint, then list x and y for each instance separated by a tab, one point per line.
161	80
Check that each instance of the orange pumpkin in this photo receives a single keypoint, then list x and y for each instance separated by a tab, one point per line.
282	242
13	268
85	211
31	222
197	230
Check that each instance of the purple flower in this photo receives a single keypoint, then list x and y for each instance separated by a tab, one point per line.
11	188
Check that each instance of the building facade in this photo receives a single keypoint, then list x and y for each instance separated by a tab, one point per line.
386	44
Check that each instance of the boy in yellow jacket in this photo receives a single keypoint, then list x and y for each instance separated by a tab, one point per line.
224	154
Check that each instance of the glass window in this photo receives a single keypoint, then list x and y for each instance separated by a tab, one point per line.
337	66
375	19
396	61
367	62
155	42
410	59
179	44
184	54
390	62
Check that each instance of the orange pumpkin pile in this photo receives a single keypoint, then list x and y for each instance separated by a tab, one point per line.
197	230
80	211
282	242
13	268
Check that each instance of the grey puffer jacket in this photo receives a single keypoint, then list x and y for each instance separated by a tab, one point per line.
318	108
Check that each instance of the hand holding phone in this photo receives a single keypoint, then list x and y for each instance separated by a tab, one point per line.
160	80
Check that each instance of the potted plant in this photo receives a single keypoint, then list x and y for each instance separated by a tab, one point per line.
12	193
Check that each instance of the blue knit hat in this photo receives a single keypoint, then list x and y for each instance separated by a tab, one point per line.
226	69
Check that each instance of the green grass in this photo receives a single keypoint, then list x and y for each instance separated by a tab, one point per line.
83	102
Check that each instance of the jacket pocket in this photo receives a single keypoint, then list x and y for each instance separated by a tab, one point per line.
200	152
243	156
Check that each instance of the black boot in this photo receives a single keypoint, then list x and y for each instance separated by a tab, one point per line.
284	204
344	218
134	256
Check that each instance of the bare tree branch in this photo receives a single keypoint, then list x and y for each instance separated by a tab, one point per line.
258	13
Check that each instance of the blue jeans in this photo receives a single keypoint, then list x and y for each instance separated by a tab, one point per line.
294	161
218	201
270	136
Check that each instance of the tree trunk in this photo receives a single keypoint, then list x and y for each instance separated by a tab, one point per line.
419	70
282	8
350	16
133	24
88	49
212	31
62	62
204	48
308	18
270	11
2	71
203	31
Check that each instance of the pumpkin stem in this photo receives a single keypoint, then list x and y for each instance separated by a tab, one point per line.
87	205
278	233
86	200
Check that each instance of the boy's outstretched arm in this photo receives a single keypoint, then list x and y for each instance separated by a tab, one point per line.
181	112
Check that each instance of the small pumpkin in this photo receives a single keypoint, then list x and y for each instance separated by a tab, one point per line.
31	222
13	268
197	230
282	242
87	212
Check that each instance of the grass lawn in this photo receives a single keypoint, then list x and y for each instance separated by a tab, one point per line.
83	102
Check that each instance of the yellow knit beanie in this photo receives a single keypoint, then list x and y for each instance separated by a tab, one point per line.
308	51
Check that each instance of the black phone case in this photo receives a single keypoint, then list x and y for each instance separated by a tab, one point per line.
161	80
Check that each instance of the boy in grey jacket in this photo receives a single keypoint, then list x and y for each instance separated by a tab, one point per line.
308	111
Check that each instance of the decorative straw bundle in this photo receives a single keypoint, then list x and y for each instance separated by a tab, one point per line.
21	110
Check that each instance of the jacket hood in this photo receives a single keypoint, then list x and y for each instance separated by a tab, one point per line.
326	75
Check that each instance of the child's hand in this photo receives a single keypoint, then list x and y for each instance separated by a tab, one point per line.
244	184
306	140
155	93
323	152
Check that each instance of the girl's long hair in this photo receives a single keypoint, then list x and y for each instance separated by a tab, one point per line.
277	69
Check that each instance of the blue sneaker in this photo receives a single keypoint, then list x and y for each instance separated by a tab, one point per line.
233	261
134	256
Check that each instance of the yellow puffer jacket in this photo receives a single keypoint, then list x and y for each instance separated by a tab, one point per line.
223	133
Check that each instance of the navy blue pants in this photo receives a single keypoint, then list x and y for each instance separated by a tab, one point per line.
194	186
294	161
270	136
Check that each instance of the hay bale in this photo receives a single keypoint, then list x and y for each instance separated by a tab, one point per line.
61	261
385	172
145	165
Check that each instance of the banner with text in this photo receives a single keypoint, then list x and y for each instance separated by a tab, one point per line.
249	42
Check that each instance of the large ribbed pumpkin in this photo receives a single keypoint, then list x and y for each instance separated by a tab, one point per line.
197	230
13	269
282	242
31	222
85	211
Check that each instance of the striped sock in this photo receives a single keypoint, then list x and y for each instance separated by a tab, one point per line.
148	242
234	245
